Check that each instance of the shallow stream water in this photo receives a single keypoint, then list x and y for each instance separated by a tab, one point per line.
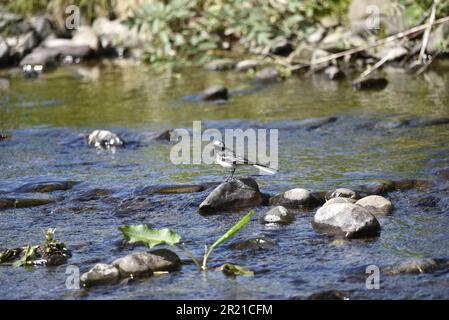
45	117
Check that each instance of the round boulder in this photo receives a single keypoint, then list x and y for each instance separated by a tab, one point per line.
377	205
347	220
100	274
295	199
234	194
279	215
145	263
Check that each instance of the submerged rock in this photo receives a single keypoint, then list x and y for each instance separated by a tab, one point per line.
260	243
334	73
413	266
246	65
171	189
100	274
20	201
407	184
216	92
267	75
104	139
378	187
377	205
295	199
279	215
370	84
46	186
342	193
346	219
220	65
145	263
234	194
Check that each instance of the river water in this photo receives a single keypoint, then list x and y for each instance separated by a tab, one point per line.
45	117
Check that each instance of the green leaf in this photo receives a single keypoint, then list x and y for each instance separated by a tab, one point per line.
231	232
149	236
28	257
230	269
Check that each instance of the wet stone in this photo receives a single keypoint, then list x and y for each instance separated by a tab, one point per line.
235	194
100	274
414	266
347	220
19	201
94	194
246	65
145	263
295	198
377	205
259	243
281	46
267	75
104	139
171	189
378	187
278	215
46	186
220	65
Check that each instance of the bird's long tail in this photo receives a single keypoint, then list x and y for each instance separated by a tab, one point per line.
264	170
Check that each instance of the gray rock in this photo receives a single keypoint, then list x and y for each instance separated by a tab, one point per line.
47	58
104	139
21	45
216	92
259	243
377	205
46	186
100	274
334	73
246	65
342	193
267	75
279	215
220	65
317	35
20	201
339	200
281	46
295	199
370	84
113	33
42	25
171	189
412	266
378	187
347	220
234	194
145	263
85	36
4	51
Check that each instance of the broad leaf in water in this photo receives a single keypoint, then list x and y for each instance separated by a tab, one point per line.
231	232
230	269
149	236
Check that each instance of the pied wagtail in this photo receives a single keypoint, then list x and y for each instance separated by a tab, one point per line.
228	159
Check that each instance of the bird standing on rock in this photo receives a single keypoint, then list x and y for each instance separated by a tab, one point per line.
228	159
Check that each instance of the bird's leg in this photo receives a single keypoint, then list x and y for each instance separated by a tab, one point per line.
232	173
